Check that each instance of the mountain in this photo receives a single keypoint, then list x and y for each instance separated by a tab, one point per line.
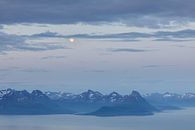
90	102
23	102
171	100
4	92
38	102
133	104
113	97
82	103
85	102
94	103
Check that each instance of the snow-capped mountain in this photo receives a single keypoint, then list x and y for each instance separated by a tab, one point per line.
38	102
168	95
90	101
171	95
133	104
4	92
114	97
188	96
88	96
60	95
171	99
23	102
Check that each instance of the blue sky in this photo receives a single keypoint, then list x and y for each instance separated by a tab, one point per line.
119	45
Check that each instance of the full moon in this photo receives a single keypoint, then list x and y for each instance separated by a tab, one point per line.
71	40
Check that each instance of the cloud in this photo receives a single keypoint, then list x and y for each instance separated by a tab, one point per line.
10	42
136	13
177	34
7	84
4	70
33	70
19	69
172	39
12	68
182	35
127	50
157	66
53	57
47	34
95	71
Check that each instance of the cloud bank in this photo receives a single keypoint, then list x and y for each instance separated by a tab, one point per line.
151	13
127	50
10	42
159	35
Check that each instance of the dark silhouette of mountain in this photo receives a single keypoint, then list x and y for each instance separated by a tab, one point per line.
90	102
133	104
23	102
85	102
37	102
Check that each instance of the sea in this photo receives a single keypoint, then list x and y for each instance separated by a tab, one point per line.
167	120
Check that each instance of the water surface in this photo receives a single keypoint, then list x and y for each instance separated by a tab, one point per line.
169	120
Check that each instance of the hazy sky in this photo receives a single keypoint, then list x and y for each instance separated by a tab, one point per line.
120	45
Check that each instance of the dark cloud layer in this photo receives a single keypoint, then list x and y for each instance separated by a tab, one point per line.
14	42
127	50
19	69
10	42
133	12
53	57
159	35
157	66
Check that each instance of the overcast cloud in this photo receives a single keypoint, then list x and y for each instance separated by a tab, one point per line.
150	13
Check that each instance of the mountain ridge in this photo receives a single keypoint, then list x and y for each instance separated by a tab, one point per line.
90	102
38	102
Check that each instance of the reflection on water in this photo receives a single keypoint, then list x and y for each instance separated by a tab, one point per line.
170	120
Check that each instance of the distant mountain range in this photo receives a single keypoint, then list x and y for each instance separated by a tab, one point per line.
23	102
89	103
171	100
133	104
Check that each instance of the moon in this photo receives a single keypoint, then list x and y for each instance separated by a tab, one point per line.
72	40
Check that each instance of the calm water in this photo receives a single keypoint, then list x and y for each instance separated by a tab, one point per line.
170	120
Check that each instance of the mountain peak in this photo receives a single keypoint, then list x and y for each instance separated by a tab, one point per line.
188	95
135	94
5	92
90	95
37	92
114	94
90	91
